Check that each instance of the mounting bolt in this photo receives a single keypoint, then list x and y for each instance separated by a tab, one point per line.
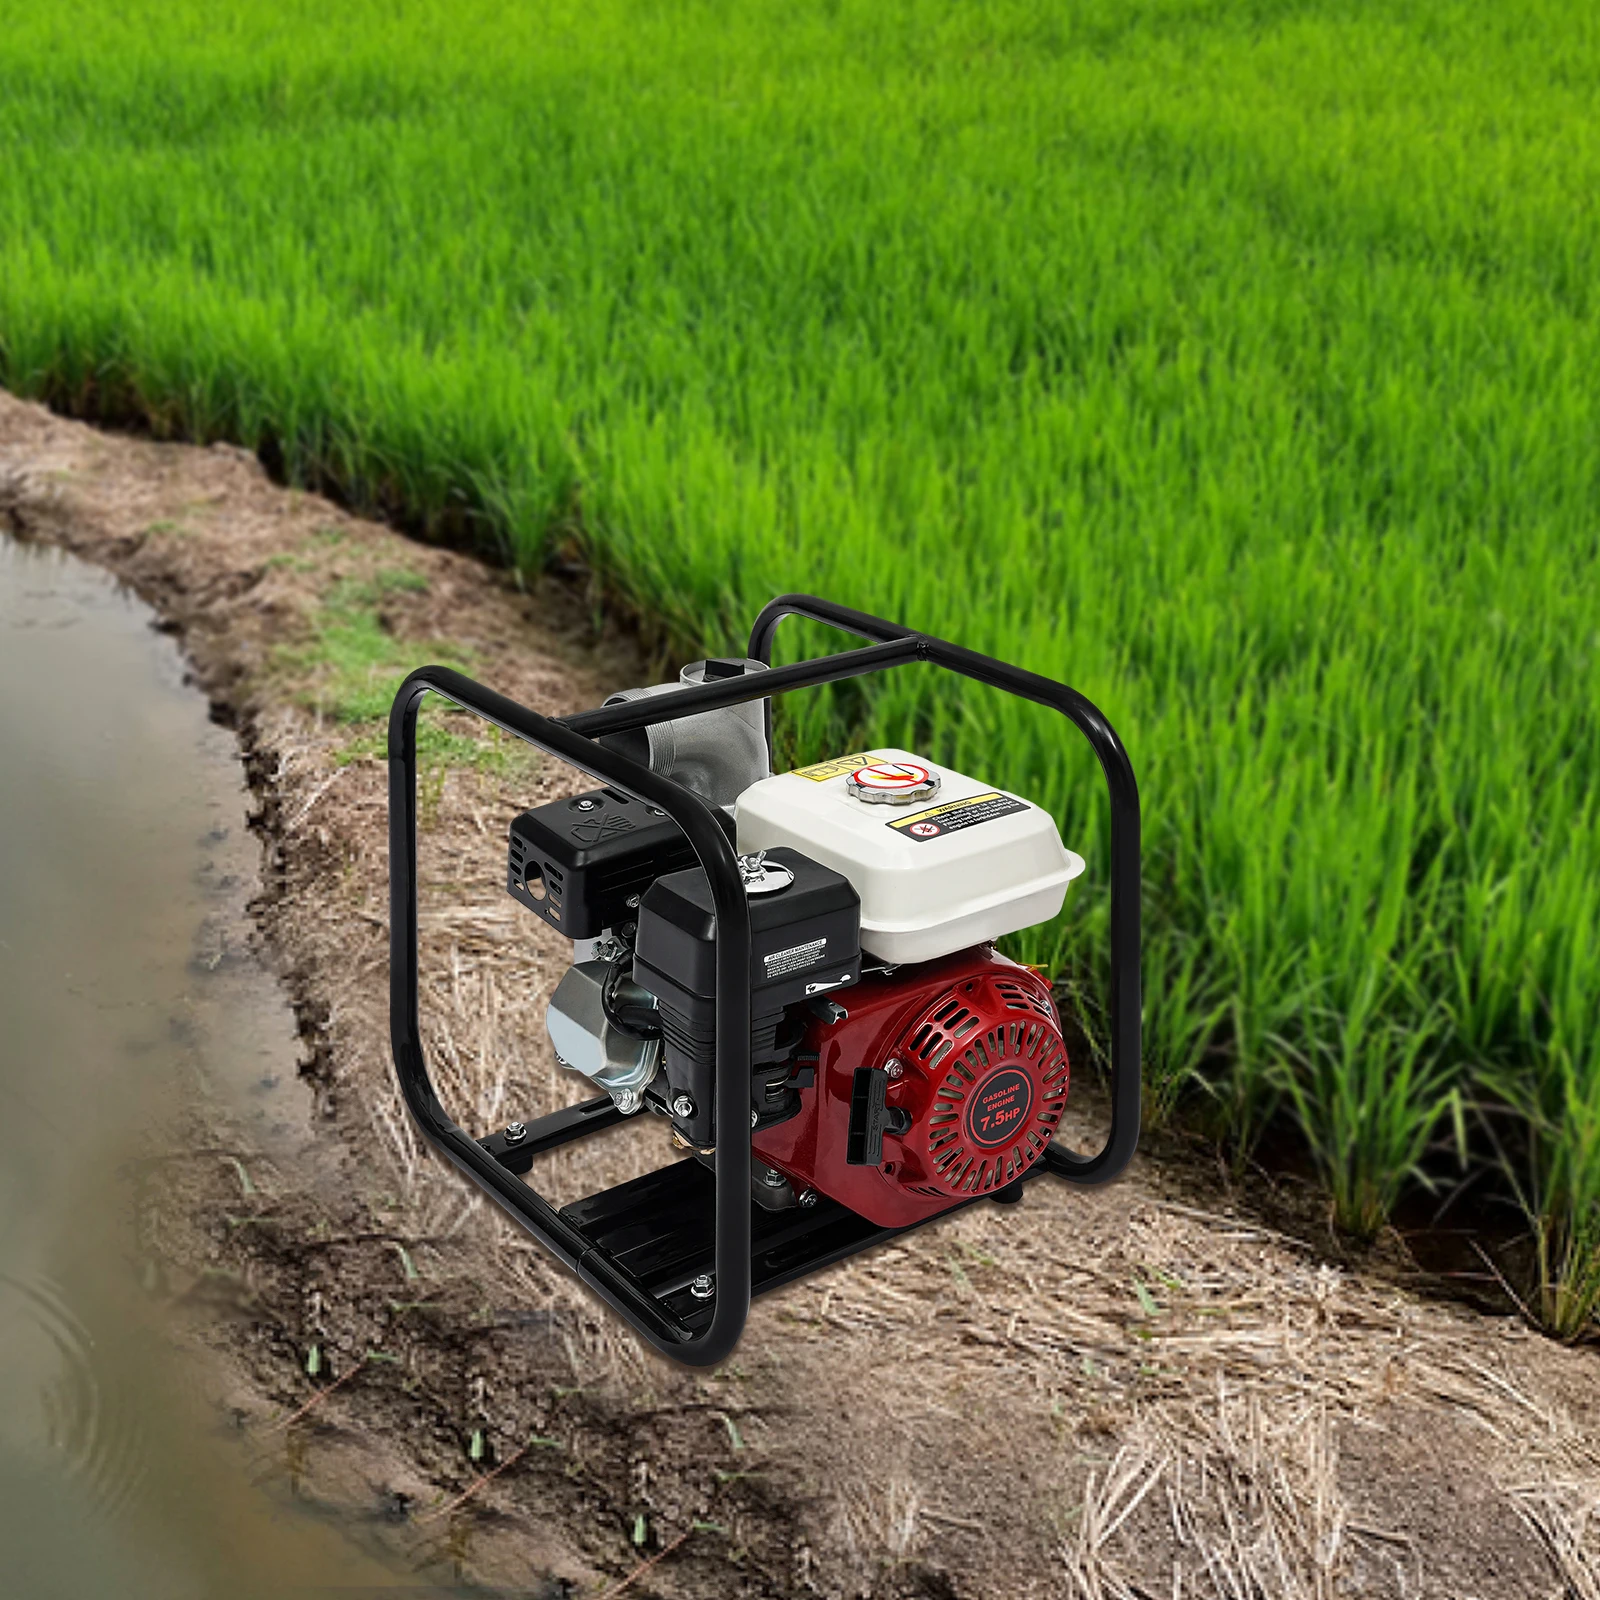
585	805
627	1101
773	1178
516	1132
808	1198
682	1106
895	1067
755	1116
703	1287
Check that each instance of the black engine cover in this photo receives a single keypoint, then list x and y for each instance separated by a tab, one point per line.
805	941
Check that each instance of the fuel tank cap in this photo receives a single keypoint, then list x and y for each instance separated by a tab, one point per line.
892	783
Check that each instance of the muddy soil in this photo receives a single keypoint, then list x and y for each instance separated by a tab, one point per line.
1141	1391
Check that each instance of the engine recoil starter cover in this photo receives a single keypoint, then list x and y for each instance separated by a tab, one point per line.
932	1085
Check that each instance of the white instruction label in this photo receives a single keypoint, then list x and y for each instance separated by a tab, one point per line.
796	958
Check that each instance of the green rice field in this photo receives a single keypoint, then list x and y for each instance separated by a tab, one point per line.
1236	361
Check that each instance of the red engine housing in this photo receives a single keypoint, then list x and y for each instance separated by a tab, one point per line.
973	1048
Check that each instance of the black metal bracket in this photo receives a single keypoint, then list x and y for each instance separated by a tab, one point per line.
715	1237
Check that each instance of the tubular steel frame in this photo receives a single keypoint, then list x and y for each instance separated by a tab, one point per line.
645	1277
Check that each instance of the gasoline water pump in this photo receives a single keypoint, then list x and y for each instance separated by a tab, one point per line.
796	970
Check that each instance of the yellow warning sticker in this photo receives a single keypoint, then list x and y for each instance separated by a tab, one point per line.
954	815
839	766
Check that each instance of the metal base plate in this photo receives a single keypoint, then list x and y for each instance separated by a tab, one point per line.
660	1229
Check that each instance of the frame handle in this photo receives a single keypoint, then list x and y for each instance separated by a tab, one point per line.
617	1287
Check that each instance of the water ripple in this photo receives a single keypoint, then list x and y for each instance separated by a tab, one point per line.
94	1435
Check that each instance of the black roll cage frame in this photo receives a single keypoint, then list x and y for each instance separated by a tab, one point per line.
657	1284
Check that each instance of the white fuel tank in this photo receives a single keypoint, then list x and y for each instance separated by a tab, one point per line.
941	861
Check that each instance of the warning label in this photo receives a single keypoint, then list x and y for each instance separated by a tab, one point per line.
796	958
954	815
892	778
839	766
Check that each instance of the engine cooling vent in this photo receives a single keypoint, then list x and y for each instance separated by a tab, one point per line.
994	1052
942	1030
1019	998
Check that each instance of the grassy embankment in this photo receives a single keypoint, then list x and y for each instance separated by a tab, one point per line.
1234	361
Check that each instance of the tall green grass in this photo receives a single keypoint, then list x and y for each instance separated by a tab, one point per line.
1234	360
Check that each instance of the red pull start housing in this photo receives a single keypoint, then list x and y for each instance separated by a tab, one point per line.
976	1066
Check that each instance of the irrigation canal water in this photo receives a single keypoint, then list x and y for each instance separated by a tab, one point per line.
124	858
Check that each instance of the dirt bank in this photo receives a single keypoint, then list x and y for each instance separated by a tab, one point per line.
1139	1391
